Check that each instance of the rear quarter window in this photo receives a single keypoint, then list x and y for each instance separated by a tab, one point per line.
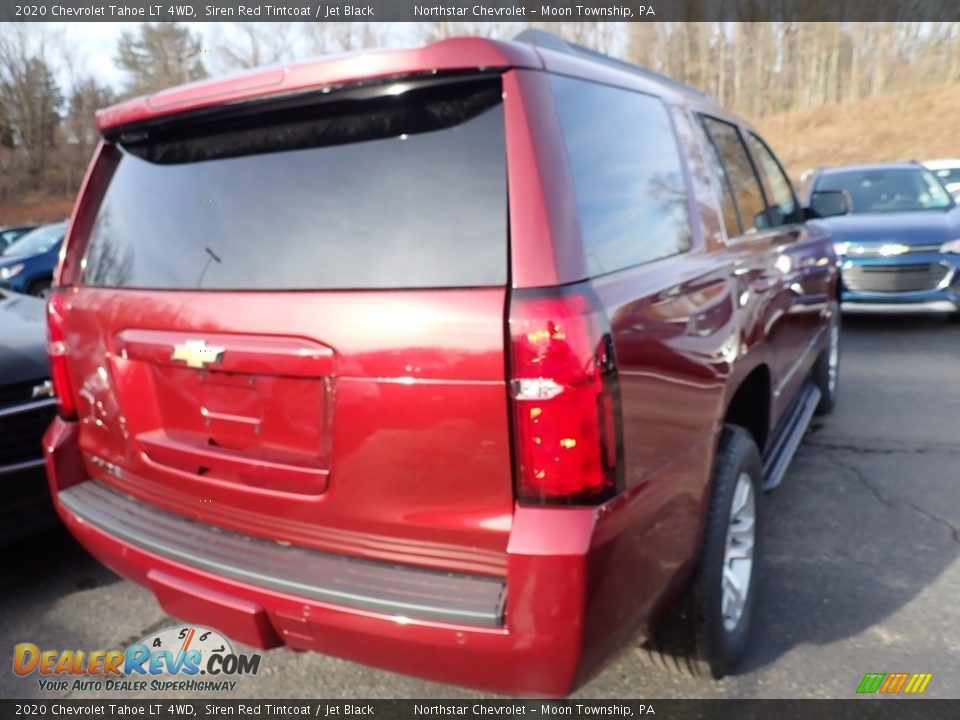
401	189
627	174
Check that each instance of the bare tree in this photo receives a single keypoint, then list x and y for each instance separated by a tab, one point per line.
158	56
30	101
341	37
47	98
240	46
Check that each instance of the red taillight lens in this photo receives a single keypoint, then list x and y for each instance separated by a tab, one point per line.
58	352
566	404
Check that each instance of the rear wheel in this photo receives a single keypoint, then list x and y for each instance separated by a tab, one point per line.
708	631
826	371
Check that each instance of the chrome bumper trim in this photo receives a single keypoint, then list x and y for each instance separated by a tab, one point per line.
906	308
21	466
27	407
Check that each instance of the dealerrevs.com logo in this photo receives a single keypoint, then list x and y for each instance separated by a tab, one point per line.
184	658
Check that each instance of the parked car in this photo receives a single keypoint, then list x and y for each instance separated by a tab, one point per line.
27	265
900	242
947	172
391	434
12	232
26	409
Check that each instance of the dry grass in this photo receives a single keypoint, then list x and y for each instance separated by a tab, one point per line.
915	124
35	210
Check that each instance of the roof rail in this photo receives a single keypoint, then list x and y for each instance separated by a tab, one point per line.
550	41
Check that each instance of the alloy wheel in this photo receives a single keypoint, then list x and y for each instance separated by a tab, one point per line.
833	359
738	555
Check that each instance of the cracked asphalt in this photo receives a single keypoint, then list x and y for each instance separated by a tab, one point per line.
860	569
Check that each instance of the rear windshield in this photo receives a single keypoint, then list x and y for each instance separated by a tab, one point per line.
401	185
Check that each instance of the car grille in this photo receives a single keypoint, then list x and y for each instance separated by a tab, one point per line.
23	420
17	393
894	278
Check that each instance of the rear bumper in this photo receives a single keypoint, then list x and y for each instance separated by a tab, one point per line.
572	591
350	583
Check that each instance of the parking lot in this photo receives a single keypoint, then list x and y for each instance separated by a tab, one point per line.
859	572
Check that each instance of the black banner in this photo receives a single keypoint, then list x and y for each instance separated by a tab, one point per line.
864	709
483	11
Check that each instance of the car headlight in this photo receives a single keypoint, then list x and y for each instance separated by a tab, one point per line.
12	271
951	246
841	248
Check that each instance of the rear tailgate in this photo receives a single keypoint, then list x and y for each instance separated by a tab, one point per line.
290	322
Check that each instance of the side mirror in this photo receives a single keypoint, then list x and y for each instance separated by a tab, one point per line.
829	203
761	221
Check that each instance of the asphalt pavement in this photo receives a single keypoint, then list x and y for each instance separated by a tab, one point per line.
860	572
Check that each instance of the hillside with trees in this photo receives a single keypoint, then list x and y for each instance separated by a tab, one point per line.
823	92
904	125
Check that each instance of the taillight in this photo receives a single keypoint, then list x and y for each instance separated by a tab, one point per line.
566	398
58	352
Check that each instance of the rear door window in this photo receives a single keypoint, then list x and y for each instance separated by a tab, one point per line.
737	168
402	186
728	205
625	162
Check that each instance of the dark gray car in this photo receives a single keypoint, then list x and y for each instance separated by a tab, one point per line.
26	408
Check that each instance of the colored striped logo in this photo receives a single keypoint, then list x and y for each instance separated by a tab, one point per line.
893	683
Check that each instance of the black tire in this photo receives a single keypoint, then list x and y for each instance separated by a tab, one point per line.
695	638
40	288
826	371
954	318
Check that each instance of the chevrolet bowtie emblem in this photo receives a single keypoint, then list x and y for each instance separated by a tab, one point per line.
197	354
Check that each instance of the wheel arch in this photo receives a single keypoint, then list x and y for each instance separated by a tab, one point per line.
748	406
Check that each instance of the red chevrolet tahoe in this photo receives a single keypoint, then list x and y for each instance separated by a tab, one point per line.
469	361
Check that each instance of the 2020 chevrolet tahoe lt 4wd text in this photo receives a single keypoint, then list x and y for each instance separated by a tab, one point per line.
468	361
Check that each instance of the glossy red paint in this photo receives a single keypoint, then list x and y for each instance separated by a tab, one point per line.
429	362
537	652
376	424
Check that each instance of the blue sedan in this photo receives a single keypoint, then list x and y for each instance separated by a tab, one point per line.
12	233
899	245
27	265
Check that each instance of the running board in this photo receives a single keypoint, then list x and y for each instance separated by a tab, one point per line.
787	436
